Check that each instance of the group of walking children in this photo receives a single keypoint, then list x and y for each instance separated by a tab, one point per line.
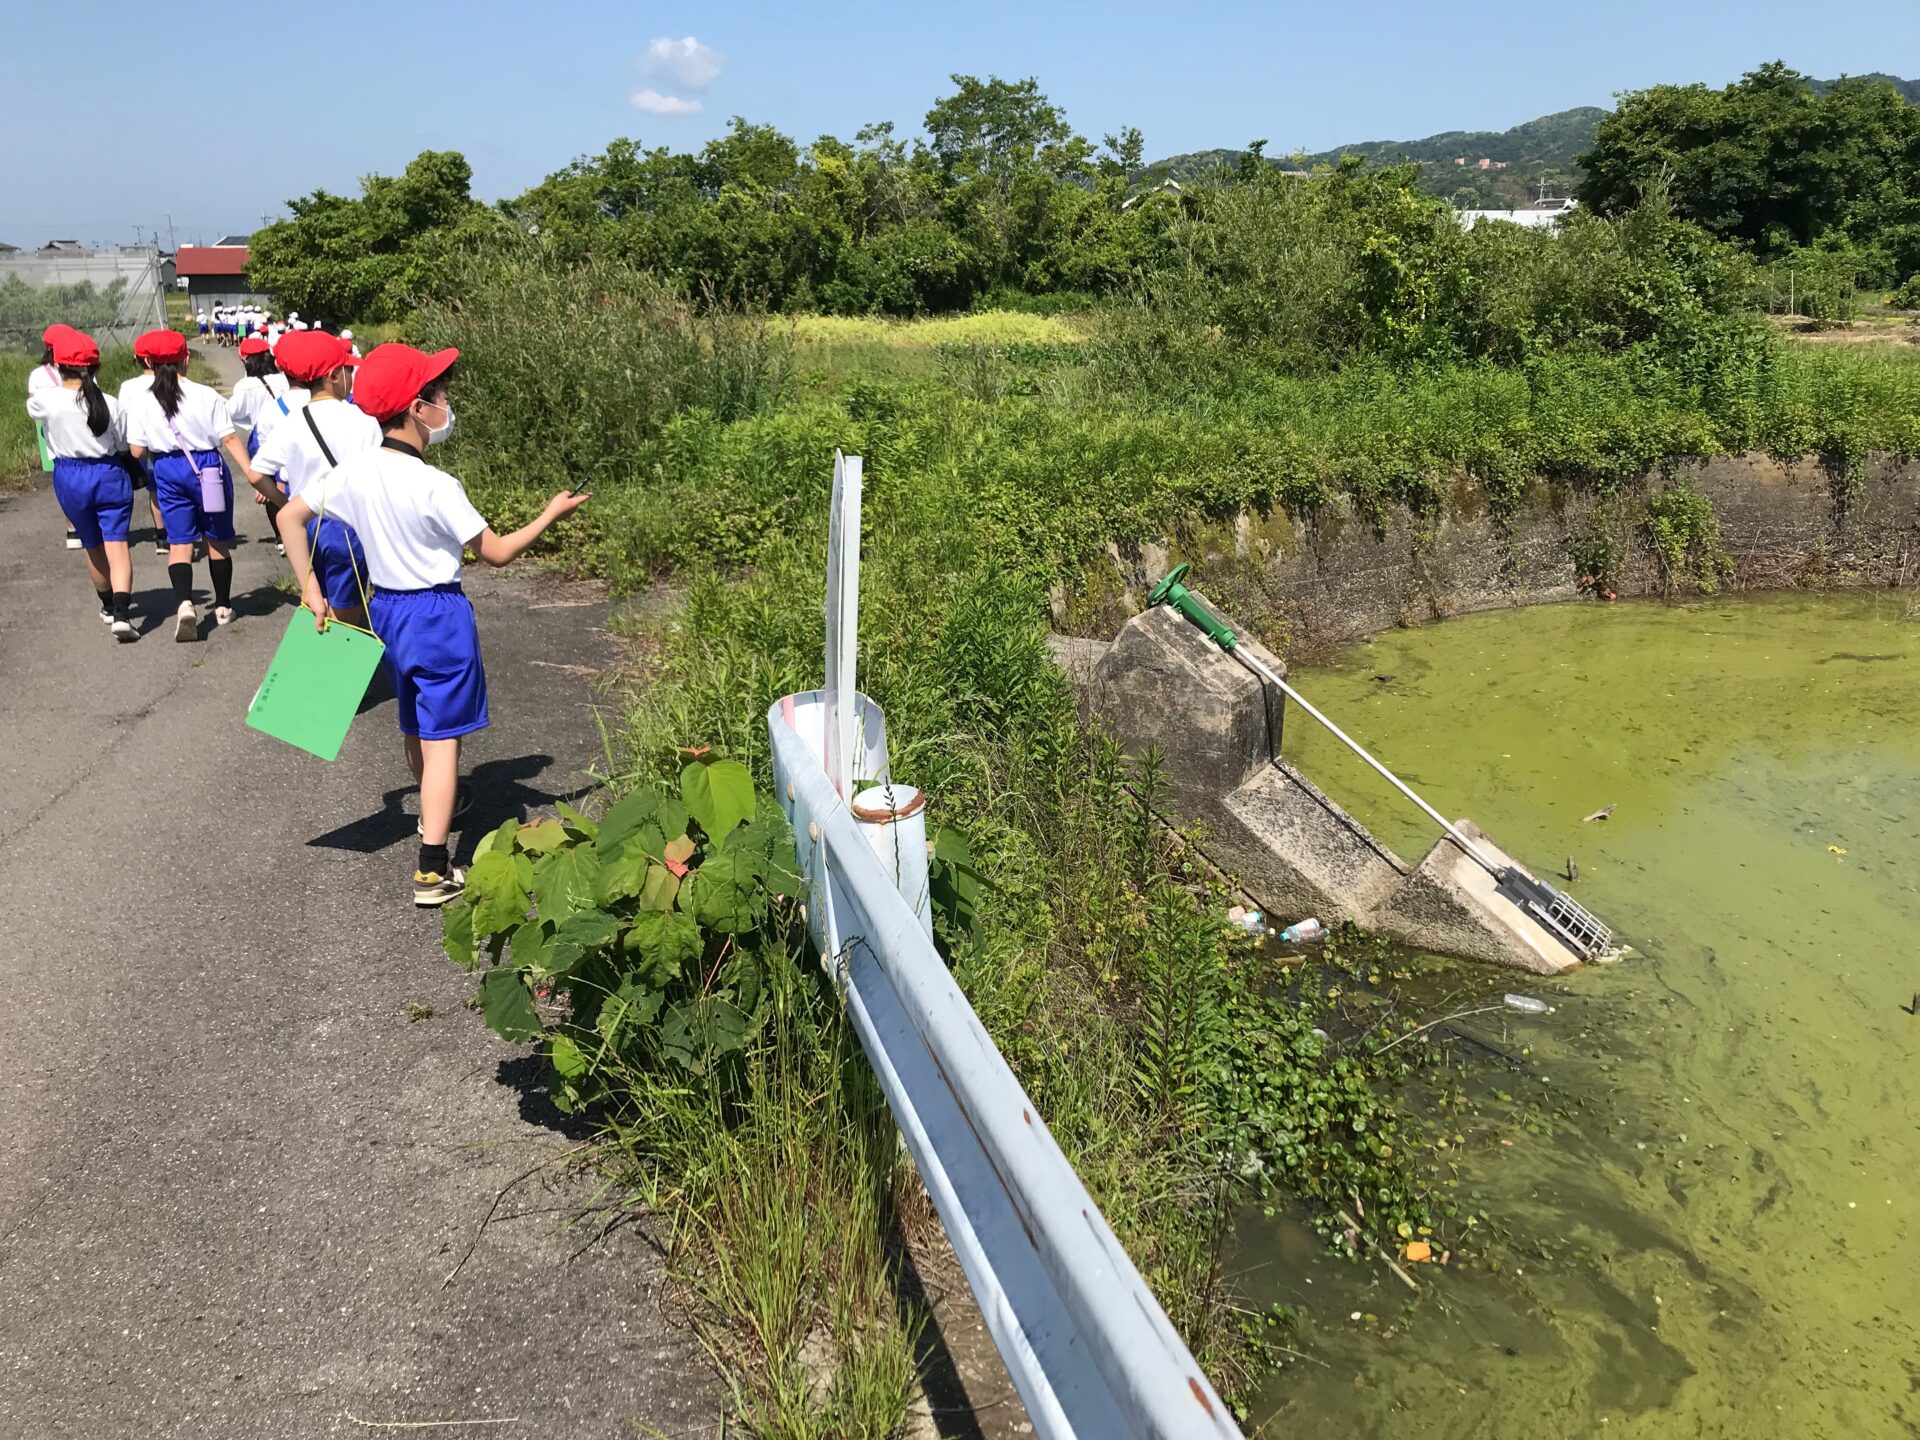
376	536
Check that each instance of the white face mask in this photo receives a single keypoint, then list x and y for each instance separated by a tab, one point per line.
438	433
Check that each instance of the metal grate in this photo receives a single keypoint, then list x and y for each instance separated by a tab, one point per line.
1578	927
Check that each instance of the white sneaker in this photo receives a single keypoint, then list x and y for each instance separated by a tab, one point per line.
73	540
223	614
124	632
106	617
186	624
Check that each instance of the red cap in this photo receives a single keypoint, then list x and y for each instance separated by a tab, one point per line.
314	355
70	347
391	376
155	344
252	345
54	331
162	347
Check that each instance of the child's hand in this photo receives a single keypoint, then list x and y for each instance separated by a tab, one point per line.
566	502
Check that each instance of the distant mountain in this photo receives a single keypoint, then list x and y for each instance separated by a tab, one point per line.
1519	163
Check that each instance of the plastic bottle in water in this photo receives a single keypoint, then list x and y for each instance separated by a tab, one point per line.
1526	1004
1305	932
1250	922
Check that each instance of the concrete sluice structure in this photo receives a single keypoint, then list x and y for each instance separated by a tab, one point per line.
1162	684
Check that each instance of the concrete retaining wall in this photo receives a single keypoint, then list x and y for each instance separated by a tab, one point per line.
1310	585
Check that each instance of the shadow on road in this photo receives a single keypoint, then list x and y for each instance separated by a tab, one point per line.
501	791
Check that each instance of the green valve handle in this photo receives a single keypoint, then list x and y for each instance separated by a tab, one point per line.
1171	591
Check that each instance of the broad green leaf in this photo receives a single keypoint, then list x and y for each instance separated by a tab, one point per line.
576	821
660	889
541	839
456	933
634	1003
498	838
664	943
494	891
770	842
531	944
720	795
507	1005
679	850
693	1032
724	893
569	1062
563	881
583	932
622	873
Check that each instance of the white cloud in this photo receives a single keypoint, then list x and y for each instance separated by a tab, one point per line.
654	103
687	63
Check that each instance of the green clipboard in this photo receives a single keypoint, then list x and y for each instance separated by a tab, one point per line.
46	455
314	685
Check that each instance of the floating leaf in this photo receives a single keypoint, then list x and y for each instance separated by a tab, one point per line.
563	881
495	892
664	943
720	795
541	839
507	1005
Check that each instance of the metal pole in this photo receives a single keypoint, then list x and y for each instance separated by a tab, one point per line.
1459	838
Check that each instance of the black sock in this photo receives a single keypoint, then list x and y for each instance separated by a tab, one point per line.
122	603
106	600
222	572
180	572
433	860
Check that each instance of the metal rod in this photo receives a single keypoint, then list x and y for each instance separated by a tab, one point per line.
1453	831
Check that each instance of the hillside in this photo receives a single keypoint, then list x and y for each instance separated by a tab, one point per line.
1521	161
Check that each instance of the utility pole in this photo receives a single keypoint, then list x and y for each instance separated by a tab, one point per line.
172	244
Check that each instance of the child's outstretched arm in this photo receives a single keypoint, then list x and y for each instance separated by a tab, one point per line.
500	550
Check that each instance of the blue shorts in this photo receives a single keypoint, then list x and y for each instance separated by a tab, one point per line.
176	485
253	442
433	652
336	554
97	497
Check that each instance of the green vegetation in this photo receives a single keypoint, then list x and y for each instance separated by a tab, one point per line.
638	325
26	310
1777	164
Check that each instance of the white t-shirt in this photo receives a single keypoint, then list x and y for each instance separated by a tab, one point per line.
134	385
274	332
202	419
64	413
291	453
413	520
42	377
252	397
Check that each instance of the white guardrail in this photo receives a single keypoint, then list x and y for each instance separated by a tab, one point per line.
1089	1348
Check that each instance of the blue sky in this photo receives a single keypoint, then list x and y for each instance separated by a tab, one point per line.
274	100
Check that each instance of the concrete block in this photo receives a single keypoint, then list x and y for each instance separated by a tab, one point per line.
1449	905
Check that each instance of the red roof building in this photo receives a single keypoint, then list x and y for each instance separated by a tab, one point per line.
215	274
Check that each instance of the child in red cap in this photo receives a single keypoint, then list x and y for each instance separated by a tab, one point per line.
185	425
85	433
416	522
144	347
46	376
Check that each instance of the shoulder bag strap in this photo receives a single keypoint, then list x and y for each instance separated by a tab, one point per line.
318	438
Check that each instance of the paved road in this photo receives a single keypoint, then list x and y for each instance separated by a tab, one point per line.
233	1172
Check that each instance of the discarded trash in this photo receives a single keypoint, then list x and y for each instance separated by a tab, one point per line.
1572	872
1526	1004
1250	922
1835	850
1304	933
1598	815
1419	1250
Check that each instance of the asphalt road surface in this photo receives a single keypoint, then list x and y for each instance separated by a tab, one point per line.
234	1171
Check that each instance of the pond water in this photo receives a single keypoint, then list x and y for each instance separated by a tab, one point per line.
1707	1180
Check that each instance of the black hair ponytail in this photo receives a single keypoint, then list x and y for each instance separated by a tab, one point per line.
46	353
261	366
166	387
98	416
